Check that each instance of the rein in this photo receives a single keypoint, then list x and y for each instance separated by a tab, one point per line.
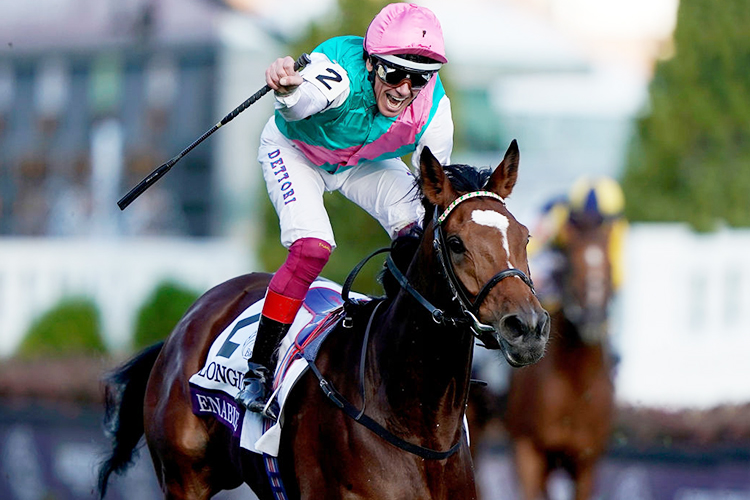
359	415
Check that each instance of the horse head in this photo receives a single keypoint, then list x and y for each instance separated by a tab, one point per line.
586	280
481	249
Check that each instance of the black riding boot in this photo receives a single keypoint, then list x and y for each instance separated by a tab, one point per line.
256	386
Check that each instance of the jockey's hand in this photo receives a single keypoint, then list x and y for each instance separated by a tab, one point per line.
281	77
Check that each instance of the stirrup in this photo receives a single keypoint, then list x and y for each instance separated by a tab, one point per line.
254	392
271	409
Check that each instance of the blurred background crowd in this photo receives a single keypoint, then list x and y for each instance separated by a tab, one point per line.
94	95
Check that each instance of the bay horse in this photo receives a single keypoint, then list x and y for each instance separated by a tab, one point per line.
559	411
402	363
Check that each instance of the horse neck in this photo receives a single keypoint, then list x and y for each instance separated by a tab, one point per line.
422	368
572	284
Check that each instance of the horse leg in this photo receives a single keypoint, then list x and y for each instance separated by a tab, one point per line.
584	482
191	485
531	469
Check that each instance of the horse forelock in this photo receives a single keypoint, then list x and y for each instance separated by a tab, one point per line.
463	178
466	178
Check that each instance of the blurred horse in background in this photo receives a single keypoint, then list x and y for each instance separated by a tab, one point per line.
560	410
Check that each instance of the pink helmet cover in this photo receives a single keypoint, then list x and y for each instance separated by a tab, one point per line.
406	28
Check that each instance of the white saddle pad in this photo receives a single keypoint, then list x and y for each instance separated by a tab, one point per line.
215	386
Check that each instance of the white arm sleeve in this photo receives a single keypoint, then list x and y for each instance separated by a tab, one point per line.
325	85
438	136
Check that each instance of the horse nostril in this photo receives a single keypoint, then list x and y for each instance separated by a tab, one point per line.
517	326
543	327
514	326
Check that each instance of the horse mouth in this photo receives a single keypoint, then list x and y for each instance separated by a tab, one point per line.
593	333
518	357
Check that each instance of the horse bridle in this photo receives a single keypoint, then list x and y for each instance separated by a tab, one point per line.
469	309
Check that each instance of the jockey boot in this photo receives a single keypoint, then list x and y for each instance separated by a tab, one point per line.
256	386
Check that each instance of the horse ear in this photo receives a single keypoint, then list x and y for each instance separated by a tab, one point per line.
505	175
435	184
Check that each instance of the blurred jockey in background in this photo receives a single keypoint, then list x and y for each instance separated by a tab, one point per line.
598	199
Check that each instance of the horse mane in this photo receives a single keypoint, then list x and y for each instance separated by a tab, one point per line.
464	179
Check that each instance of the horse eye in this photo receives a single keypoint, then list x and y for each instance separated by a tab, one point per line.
455	244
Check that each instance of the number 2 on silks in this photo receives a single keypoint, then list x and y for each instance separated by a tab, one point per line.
228	347
335	78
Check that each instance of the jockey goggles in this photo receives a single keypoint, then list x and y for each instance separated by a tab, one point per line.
393	75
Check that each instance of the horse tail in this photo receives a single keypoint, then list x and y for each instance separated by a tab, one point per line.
125	390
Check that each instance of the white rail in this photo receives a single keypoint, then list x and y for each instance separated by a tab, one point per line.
684	322
118	274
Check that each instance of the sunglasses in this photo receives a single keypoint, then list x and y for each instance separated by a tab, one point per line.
395	76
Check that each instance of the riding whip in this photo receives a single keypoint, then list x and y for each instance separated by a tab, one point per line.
157	174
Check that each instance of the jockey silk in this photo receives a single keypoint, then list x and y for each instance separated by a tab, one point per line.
338	138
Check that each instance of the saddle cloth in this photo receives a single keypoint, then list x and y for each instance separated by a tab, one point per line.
215	386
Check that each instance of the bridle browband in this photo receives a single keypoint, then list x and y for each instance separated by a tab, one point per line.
469	310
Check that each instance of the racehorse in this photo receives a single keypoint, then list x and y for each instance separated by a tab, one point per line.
401	361
559	411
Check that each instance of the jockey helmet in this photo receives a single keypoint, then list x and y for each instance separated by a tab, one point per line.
597	196
402	31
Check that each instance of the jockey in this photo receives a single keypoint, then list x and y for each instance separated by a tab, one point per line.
342	123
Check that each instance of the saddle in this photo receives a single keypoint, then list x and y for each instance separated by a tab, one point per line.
214	387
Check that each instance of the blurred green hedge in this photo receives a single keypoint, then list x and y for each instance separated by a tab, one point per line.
689	160
160	313
70	328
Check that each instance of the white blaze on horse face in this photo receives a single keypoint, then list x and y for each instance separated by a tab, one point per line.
594	256
497	220
596	289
